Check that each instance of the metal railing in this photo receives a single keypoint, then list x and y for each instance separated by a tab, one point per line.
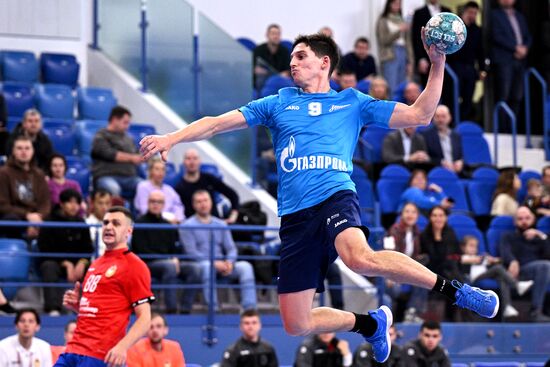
531	74
503	106
456	93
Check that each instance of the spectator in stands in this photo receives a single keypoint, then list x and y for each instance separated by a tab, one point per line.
364	357
359	60
102	200
57	182
115	157
68	333
444	145
526	253
510	40
426	350
420	18
394	48
327	31
164	242
4	133
424	196
155	350
193	179
64	240
411	93
469	62
250	350
31	127
404	146
477	266
504	198
405	238
270	57
323	350
173	208
536	200
197	243
24	348
24	192
347	79
546	180
379	88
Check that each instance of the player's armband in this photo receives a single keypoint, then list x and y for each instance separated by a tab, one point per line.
150	299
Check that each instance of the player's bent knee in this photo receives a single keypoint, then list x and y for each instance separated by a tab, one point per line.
296	328
365	264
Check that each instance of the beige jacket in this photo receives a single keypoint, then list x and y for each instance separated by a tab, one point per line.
386	41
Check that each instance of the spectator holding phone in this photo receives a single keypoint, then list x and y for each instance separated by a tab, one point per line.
424	196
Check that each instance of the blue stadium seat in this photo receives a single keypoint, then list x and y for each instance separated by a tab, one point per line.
14	267
481	188
534	364
363	86
19	66
95	103
61	134
451	185
475	147
287	44
12	122
543	224
247	42
11	244
498	226
460	365
212	169
77	169
55	100
274	83
525	176
397	94
85	132
59	69
365	193
19	97
374	136
334	85
497	364
393	181
139	131
464	225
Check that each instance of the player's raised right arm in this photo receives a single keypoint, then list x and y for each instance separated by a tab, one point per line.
201	129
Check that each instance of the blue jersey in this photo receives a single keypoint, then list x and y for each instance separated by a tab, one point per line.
314	137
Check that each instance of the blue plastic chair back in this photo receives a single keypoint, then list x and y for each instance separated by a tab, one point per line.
61	134
363	86
211	169
78	170
498	226
55	101
393	181
374	136
464	225
85	132
474	146
95	103
12	244
543	224
139	131
247	43
481	188
59	69
19	66
14	267
274	83
451	185
287	44
398	93
12	122
19	97
365	194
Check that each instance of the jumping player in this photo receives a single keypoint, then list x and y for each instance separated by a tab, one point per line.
315	130
115	284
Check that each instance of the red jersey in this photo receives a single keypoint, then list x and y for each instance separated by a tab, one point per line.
114	284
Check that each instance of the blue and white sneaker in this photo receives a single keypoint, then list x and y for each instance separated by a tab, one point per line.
380	340
484	303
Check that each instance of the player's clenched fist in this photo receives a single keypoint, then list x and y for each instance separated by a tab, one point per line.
116	357
71	298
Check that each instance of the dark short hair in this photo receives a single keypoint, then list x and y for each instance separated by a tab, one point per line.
69	194
470	4
544	169
361	40
321	45
250	313
100	193
22	311
119	112
120	209
156	314
21	138
71	321
430	325
346	72
273	25
200	192
54	156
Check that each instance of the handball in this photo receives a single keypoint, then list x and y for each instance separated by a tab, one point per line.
446	31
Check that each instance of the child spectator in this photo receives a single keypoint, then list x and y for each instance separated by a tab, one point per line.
536	200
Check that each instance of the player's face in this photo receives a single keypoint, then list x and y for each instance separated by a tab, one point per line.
57	167
68	335
202	203
250	327
101	205
32	124
525	219
27	326
305	66
157	331
23	151
430	338
438	218
157	172
409	215
70	208
116	229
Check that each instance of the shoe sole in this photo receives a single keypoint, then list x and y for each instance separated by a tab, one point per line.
389	322
497	305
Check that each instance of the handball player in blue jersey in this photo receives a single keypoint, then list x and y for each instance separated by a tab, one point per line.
315	130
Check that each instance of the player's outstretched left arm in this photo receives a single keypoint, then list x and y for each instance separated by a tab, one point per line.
201	129
116	357
422	111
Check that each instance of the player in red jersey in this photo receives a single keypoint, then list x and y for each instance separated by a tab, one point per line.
115	284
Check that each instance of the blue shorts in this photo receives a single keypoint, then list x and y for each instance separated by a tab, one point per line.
76	360
307	241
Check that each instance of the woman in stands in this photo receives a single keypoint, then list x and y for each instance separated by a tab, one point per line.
504	198
57	182
423	196
379	88
404	236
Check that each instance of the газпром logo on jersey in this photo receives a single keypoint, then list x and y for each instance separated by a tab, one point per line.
289	163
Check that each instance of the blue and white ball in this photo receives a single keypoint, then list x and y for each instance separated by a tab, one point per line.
446	31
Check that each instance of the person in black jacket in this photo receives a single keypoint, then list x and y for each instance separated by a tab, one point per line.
250	350
323	350
64	240
426	350
363	356
270	57
164	242
193	179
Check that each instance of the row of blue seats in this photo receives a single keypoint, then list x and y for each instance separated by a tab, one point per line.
22	66
58	100
251	45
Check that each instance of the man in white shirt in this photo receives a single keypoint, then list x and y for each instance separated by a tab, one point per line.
23	349
102	200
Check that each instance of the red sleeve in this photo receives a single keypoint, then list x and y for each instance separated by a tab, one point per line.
138	282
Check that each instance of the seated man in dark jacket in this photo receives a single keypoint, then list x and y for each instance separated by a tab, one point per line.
64	240
526	254
323	350
426	350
